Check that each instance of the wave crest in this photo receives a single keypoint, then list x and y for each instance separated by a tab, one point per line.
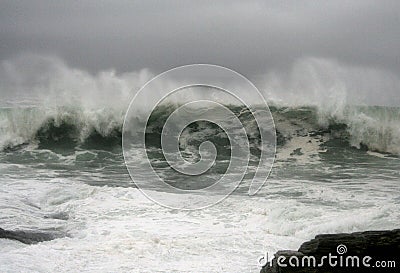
372	128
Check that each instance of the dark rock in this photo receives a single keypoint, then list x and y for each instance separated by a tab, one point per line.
27	237
381	246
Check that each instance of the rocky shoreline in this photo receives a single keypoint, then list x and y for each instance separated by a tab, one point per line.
369	251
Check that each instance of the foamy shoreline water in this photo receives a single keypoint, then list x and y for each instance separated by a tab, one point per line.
118	229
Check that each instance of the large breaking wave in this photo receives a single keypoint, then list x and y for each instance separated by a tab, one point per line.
365	127
45	102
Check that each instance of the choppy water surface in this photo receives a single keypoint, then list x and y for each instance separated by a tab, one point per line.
62	172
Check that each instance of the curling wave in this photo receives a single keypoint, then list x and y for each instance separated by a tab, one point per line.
368	127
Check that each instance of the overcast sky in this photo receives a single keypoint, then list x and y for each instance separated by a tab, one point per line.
251	37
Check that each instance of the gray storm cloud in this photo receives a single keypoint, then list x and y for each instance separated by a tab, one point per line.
286	47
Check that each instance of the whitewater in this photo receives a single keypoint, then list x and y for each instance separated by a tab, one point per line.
63	175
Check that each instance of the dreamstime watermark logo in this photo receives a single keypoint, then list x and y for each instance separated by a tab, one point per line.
341	249
330	260
212	90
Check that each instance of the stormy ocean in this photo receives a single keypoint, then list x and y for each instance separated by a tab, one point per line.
67	197
199	136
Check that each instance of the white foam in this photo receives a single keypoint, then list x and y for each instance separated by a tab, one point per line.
118	229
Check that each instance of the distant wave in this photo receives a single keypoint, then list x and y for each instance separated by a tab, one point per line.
372	128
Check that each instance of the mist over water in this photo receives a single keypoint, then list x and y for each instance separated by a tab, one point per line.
330	84
309	81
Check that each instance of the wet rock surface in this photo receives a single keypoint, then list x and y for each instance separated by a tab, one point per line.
369	251
27	237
